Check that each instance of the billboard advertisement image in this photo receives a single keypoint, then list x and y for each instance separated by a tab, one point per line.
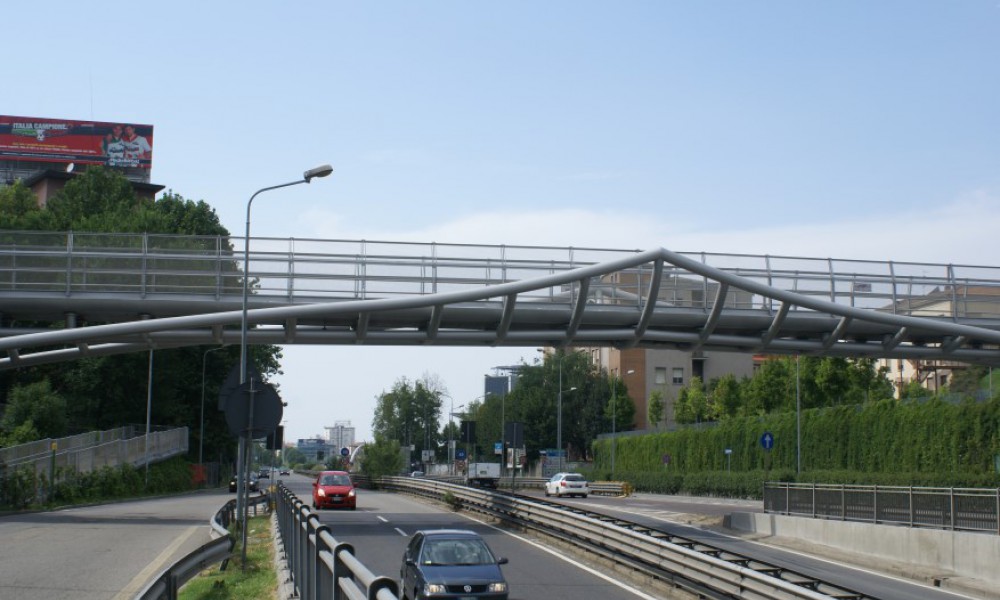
84	142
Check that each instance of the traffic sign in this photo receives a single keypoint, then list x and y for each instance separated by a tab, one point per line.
460	454
497	447
345	452
266	405
767	440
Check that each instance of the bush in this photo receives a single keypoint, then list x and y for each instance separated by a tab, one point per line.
22	487
451	500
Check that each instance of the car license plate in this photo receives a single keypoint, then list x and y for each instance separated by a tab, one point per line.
338	498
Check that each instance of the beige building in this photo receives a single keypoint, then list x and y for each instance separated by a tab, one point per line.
644	371
966	301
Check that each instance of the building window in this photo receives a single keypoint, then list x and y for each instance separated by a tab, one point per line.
660	375
678	378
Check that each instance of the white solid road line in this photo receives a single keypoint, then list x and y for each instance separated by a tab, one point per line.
563	557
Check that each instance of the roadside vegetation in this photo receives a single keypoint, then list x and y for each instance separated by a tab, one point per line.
931	442
96	393
24	488
256	579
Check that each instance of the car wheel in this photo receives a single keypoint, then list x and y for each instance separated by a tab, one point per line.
547	492
584	496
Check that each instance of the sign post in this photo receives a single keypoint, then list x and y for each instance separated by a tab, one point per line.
767	443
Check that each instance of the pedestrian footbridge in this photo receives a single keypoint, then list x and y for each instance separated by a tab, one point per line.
64	295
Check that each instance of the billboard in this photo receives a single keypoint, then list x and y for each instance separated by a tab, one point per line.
84	142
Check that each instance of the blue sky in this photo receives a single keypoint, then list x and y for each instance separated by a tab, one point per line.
845	129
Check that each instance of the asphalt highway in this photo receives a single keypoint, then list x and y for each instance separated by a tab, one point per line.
110	552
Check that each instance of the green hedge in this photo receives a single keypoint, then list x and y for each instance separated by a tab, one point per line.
881	437
930	444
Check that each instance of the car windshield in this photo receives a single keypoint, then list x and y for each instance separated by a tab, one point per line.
335	480
456	552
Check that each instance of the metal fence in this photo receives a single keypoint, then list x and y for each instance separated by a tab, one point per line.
966	509
91	451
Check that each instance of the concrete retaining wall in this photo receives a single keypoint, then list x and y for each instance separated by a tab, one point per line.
973	555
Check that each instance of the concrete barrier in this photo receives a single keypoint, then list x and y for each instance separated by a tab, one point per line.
964	554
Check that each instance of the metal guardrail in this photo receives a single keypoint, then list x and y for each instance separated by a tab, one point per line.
318	561
706	571
169	582
957	509
598	488
321	566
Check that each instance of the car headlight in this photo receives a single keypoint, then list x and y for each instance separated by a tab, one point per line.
433	588
350	494
498	587
321	493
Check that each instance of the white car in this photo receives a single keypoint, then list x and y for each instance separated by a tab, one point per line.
567	484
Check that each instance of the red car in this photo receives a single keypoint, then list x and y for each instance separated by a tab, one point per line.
334	489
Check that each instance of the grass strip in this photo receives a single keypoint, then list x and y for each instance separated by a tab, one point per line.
258	581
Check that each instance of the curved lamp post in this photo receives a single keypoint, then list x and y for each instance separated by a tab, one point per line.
308	176
559	445
321	171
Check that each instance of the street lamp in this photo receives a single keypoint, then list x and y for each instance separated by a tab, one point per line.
201	430
614	418
562	452
559	445
321	171
451	443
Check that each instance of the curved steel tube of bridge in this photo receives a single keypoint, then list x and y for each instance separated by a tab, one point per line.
242	463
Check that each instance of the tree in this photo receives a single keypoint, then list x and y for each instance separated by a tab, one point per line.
383	457
968	381
409	414
692	405
102	392
19	209
38	407
620	409
292	456
728	396
655	410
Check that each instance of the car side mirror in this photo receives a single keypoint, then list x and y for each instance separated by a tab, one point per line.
502	560
409	561
314	484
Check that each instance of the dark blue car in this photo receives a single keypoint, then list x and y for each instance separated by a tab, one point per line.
450	563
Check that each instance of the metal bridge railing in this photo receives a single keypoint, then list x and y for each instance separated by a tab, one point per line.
966	509
310	270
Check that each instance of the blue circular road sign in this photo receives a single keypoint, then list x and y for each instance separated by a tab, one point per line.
767	440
